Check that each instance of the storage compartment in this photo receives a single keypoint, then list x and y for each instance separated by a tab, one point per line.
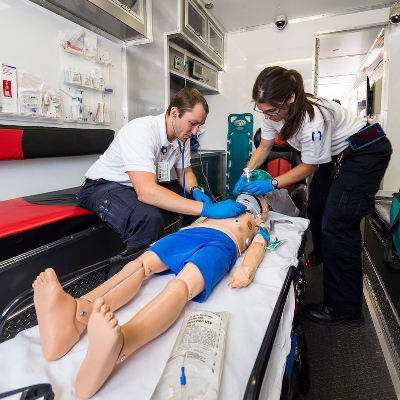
113	19
67	255
200	28
376	227
188	70
380	280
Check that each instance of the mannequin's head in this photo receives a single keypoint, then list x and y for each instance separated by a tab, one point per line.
256	205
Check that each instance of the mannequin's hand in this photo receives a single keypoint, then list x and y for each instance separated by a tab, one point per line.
258	187
239	185
263	231
242	276
198	195
223	209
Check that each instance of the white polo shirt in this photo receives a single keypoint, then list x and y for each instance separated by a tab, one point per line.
137	147
317	143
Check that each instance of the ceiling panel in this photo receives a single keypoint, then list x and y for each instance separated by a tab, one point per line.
331	80
239	14
334	91
343	44
340	65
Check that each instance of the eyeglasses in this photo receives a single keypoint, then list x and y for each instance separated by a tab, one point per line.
268	112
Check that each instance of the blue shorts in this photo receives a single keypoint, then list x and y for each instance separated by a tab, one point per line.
213	252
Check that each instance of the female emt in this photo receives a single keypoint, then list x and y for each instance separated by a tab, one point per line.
343	186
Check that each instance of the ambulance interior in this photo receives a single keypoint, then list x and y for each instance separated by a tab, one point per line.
132	57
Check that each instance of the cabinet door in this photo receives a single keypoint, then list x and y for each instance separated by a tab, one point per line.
195	20
133	7
216	40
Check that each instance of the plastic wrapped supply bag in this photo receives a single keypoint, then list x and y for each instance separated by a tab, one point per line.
194	368
281	202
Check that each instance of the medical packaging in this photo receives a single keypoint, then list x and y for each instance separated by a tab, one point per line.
194	368
281	202
9	102
30	93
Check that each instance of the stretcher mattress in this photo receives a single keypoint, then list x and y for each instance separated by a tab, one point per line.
22	363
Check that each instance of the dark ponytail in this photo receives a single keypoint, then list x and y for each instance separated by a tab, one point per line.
275	84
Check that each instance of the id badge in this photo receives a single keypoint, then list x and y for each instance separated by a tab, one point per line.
163	173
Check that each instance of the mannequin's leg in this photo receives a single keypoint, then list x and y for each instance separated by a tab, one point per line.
108	344
62	318
104	333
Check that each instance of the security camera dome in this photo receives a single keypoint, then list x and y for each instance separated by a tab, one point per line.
280	21
394	14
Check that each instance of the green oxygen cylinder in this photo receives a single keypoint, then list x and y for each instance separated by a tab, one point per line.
260	175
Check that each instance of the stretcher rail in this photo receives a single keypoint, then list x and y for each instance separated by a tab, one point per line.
255	381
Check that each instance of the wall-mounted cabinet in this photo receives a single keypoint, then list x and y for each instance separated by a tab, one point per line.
117	20
188	70
201	29
195	20
215	40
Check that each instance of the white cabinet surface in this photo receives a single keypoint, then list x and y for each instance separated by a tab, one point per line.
203	31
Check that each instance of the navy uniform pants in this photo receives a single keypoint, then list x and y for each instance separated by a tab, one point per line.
335	209
139	224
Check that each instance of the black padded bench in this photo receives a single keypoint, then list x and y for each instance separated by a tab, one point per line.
33	221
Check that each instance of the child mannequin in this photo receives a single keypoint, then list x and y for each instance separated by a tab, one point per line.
199	256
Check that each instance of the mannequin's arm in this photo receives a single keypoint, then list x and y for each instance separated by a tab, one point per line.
244	273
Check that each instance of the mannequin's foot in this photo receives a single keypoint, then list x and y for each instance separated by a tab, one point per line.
105	344
56	310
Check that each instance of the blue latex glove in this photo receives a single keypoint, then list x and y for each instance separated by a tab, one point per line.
263	231
239	185
223	209
258	187
198	195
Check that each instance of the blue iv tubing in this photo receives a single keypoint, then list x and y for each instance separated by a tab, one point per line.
182	150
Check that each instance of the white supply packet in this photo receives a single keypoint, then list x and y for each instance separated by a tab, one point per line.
194	368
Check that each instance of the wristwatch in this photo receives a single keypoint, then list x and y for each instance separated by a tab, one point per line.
196	187
274	183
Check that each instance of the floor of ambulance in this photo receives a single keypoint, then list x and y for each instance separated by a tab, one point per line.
346	363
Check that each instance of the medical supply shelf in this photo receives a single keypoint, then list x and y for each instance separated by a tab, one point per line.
180	66
31	118
83	87
82	102
81	54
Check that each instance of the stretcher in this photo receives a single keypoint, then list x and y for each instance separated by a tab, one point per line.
258	335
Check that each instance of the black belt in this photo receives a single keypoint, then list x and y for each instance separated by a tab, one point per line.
87	180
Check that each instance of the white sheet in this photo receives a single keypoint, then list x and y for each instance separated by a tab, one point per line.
22	363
